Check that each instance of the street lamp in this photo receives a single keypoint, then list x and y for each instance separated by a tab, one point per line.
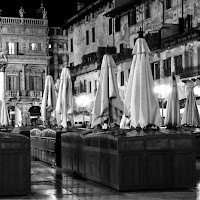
162	92
83	101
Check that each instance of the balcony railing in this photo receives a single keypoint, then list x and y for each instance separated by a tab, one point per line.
35	94
11	94
25	21
14	94
190	72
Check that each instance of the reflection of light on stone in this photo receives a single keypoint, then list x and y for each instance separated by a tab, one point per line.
162	91
83	100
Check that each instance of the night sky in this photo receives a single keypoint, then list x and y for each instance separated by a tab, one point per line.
56	10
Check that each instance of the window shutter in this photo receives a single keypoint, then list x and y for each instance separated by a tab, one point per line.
39	46
110	26
117	24
16	47
31	83
7	82
7	48
17	82
157	69
186	59
152	70
30	47
40	82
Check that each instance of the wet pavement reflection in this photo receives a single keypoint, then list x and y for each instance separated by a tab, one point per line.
51	183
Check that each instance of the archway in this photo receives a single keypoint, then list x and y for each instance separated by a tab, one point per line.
35	114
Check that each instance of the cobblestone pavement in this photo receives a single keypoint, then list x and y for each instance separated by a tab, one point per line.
51	183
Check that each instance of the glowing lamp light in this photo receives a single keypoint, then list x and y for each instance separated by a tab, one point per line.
83	100
162	91
197	90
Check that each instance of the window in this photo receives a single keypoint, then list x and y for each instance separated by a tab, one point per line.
190	58
81	87
109	4
60	59
168	4
71	42
132	17
147	10
155	69
35	46
117	24
84	86
87	37
51	31
95	86
59	32
178	64
11	83
93	34
90	86
110	26
167	67
61	46
12	48
71	64
87	18
122	78
35	82
129	70
92	15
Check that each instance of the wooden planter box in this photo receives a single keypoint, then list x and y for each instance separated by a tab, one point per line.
46	145
72	151
15	165
133	160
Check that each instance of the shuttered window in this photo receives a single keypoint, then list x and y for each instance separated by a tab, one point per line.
132	19
87	37
178	64
35	83
110	26
117	24
122	78
155	69
167	67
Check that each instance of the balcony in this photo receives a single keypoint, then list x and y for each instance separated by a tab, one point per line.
12	94
25	21
34	94
190	72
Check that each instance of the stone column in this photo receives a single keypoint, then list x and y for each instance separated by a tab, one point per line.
2	81
24	108
23	77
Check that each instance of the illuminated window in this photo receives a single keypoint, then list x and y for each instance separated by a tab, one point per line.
35	46
11	48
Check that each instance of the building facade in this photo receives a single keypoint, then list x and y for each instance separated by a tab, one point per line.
170	27
88	39
58	51
25	41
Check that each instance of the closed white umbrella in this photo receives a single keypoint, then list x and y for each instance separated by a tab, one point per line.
64	104
173	118
4	114
48	100
191	114
108	104
141	102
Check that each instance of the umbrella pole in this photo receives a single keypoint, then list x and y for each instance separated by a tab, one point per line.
162	111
